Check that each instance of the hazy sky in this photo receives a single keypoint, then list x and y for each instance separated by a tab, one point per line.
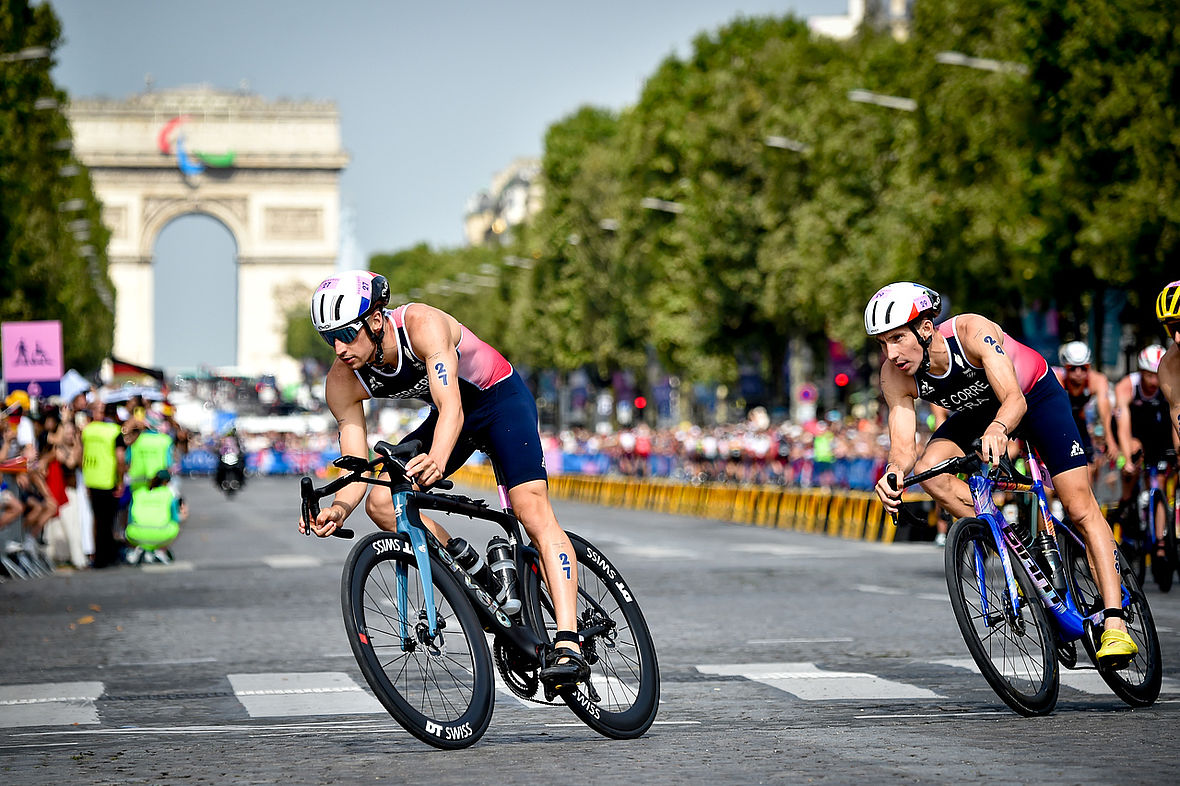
434	98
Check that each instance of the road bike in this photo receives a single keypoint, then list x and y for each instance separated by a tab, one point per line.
416	615
1023	599
1140	540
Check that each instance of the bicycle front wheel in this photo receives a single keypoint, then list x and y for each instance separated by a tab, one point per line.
438	687
1139	683
1014	648
623	694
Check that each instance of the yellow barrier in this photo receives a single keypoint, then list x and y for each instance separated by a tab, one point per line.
854	515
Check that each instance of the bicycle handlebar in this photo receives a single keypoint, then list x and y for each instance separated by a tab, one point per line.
390	457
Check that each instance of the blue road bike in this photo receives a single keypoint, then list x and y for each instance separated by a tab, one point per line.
1023	598
416	616
1139	539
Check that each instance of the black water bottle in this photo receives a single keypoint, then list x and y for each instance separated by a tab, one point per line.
470	560
504	569
1047	549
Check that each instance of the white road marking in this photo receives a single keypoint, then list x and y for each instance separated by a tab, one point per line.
798	641
301	693
808	682
281	561
874	589
1085	680
49	704
177	566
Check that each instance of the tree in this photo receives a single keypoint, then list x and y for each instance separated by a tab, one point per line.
52	240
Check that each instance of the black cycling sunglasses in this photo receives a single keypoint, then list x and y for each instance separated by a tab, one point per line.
1172	327
345	333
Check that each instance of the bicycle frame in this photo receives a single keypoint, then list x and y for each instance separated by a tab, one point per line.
407	504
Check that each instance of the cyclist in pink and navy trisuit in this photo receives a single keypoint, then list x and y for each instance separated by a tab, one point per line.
477	400
995	388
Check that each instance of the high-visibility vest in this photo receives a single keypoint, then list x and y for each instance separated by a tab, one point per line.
151	521
150	453
99	465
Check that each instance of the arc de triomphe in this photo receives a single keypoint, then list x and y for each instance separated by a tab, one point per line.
268	170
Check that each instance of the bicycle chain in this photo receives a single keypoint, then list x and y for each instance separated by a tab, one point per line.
523	685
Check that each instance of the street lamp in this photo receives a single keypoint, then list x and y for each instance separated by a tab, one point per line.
28	53
783	143
651	203
981	63
891	102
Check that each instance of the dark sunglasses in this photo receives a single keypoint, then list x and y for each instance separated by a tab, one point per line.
345	333
1172	327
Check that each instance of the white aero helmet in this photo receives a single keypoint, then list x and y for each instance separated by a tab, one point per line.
1149	358
1075	353
898	304
342	301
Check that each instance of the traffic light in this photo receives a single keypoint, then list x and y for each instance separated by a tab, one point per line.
841	380
640	402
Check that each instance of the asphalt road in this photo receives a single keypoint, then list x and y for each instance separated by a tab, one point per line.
785	658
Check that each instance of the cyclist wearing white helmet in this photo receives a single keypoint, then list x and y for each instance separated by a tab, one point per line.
1167	311
989	382
1141	410
477	399
1083	384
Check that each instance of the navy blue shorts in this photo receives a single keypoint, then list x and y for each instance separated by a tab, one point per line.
501	423
1048	425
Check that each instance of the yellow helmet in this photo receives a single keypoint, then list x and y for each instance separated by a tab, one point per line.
1167	305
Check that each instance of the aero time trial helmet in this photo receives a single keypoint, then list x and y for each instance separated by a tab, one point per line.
342	301
1167	303
1149	358
898	304
1075	353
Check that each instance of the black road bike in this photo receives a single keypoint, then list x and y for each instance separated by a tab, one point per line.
416	616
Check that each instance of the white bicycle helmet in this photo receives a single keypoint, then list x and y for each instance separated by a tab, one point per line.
1075	353
1149	358
897	305
341	302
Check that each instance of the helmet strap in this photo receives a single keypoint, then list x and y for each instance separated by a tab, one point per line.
925	342
378	339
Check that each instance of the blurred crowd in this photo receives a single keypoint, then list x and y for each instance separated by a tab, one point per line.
88	481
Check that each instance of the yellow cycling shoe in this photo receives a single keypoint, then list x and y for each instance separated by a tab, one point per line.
1117	650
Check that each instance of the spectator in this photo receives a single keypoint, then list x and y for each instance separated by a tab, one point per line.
103	468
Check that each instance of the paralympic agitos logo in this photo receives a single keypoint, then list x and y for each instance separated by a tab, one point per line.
193	162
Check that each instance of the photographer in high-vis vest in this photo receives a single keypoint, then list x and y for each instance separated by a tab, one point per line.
153	521
103	467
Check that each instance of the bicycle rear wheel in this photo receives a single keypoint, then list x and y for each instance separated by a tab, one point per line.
1014	650
1139	683
439	688
623	694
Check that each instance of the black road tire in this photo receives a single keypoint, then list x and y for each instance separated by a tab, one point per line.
1139	683
625	673
1033	649
403	681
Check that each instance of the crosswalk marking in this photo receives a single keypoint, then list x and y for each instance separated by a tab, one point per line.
808	682
301	693
49	704
1083	680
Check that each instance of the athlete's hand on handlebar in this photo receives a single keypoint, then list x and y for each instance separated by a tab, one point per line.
889	492
327	522
994	444
424	470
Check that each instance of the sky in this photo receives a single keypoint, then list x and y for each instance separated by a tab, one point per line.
434	99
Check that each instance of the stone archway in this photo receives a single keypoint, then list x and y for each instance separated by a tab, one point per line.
278	196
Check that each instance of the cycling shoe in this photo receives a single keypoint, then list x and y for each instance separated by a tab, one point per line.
1117	650
563	667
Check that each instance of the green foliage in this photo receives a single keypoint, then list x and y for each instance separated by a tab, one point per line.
44	272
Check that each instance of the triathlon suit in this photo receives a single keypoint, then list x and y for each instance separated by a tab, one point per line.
965	390
1149	420
1077	405
499	412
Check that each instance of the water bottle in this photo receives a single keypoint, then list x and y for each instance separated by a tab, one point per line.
504	569
470	560
1047	549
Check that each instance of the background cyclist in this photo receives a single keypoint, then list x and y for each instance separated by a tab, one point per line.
1084	384
476	397
1167	311
989	382
1142	414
